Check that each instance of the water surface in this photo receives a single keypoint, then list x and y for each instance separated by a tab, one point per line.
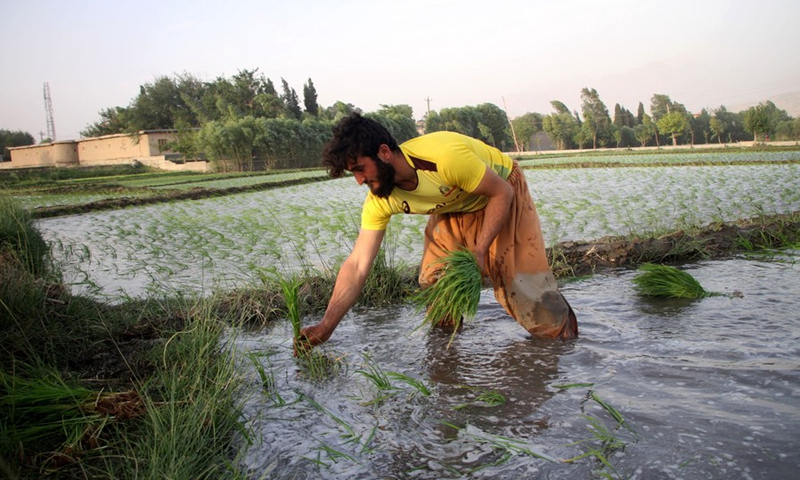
709	388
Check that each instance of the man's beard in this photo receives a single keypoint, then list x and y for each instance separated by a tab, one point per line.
386	183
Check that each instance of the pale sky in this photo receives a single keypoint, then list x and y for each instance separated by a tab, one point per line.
517	54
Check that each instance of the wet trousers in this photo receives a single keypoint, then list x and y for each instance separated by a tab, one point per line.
516	263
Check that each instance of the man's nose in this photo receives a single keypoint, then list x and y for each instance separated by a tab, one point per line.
359	177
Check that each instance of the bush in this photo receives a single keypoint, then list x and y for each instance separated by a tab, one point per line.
19	238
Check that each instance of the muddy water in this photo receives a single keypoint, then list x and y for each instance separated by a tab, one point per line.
710	387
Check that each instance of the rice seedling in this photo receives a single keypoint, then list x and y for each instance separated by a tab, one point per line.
417	385
455	295
511	446
290	288
608	443
313	362
611	410
373	372
485	397
656	280
47	409
267	377
316	364
350	435
603	440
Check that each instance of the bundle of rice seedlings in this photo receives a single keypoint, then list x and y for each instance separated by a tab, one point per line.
290	288
669	282
455	296
48	410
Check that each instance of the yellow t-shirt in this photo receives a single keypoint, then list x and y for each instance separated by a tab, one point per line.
449	166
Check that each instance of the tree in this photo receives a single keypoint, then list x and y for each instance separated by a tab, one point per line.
595	116
717	127
661	105
399	120
229	143
734	128
560	126
494	126
645	130
13	139
674	123
291	101
310	98
526	127
112	120
699	126
760	121
338	110
640	114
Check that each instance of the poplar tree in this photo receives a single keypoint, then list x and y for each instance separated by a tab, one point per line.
310	98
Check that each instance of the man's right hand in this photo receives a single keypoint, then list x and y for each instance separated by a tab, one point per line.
311	336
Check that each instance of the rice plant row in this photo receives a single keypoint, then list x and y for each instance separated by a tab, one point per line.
200	244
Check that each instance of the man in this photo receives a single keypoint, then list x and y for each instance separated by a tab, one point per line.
476	197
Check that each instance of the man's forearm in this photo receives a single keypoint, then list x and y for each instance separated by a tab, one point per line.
495	216
349	283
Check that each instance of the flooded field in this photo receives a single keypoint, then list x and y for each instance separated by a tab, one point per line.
703	389
226	241
663	389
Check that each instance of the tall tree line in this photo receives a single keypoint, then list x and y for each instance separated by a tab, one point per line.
239	121
244	119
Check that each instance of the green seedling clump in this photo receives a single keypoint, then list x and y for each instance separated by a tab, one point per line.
455	296
669	282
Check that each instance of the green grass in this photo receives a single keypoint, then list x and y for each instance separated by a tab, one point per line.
18	236
82	395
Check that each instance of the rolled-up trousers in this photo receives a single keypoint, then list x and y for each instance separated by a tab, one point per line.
516	264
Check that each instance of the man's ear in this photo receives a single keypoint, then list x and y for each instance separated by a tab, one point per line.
384	152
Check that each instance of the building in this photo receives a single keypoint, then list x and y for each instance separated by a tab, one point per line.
147	147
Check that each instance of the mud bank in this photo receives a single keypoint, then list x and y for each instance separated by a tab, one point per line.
712	241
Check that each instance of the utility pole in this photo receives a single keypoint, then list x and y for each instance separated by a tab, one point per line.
48	108
513	133
428	101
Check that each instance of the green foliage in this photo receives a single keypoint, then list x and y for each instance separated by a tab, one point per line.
19	237
486	122
525	127
665	281
595	117
762	120
233	144
674	123
44	412
291	101
456	294
290	288
310	98
560	126
398	119
386	282
13	139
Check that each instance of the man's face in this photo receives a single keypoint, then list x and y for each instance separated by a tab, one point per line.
378	175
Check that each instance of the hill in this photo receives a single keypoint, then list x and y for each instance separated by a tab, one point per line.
785	101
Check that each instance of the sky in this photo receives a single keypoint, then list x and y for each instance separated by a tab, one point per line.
517	54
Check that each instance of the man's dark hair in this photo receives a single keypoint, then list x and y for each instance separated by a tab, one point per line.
355	136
